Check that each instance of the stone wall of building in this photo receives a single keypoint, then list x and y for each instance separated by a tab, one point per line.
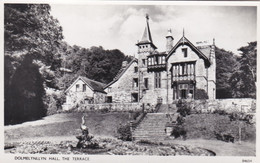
122	89
152	94
99	97
73	95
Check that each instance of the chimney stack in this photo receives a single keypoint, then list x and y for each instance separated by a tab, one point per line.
169	41
124	64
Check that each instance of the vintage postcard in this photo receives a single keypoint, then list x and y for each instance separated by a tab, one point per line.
129	81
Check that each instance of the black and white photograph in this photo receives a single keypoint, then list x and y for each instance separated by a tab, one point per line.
129	79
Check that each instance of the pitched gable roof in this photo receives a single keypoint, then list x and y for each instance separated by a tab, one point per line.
185	41
121	72
92	84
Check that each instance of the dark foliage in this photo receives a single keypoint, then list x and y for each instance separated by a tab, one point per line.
201	94
179	131
220	112
225	137
53	102
183	108
243	79
95	63
225	64
124	132
25	101
32	37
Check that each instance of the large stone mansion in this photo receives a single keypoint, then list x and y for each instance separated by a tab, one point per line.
182	71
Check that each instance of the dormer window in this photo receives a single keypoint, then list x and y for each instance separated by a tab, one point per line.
184	52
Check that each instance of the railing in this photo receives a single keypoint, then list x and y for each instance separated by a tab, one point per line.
156	67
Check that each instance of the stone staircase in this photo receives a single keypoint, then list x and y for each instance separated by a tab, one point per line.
152	127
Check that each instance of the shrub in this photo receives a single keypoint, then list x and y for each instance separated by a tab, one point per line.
220	112
124	132
184	108
104	110
53	102
178	131
227	137
235	116
200	94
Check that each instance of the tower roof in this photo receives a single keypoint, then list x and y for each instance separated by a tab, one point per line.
147	37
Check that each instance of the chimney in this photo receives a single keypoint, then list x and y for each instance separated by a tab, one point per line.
169	41
124	64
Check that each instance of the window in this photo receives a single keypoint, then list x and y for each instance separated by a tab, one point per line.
183	94
77	87
184	52
136	69
149	61
146	83
156	60
134	97
108	99
184	69
84	88
143	62
163	60
135	82
157	79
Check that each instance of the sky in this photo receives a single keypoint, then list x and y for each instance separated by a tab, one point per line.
121	26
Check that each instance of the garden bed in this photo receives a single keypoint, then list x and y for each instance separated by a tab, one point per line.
110	147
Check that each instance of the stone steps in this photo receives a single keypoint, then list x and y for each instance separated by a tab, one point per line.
151	128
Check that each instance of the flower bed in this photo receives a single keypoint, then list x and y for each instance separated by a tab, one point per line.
111	147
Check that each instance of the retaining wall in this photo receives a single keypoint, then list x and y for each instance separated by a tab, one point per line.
246	105
111	107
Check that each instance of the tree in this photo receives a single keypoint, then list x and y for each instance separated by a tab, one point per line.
26	93
243	80
225	65
29	29
95	63
32	38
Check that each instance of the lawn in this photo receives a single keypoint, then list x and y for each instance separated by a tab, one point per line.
52	132
68	124
206	126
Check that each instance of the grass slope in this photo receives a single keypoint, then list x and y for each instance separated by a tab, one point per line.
68	124
205	125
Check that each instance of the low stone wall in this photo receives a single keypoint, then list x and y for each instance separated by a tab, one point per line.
245	105
111	107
